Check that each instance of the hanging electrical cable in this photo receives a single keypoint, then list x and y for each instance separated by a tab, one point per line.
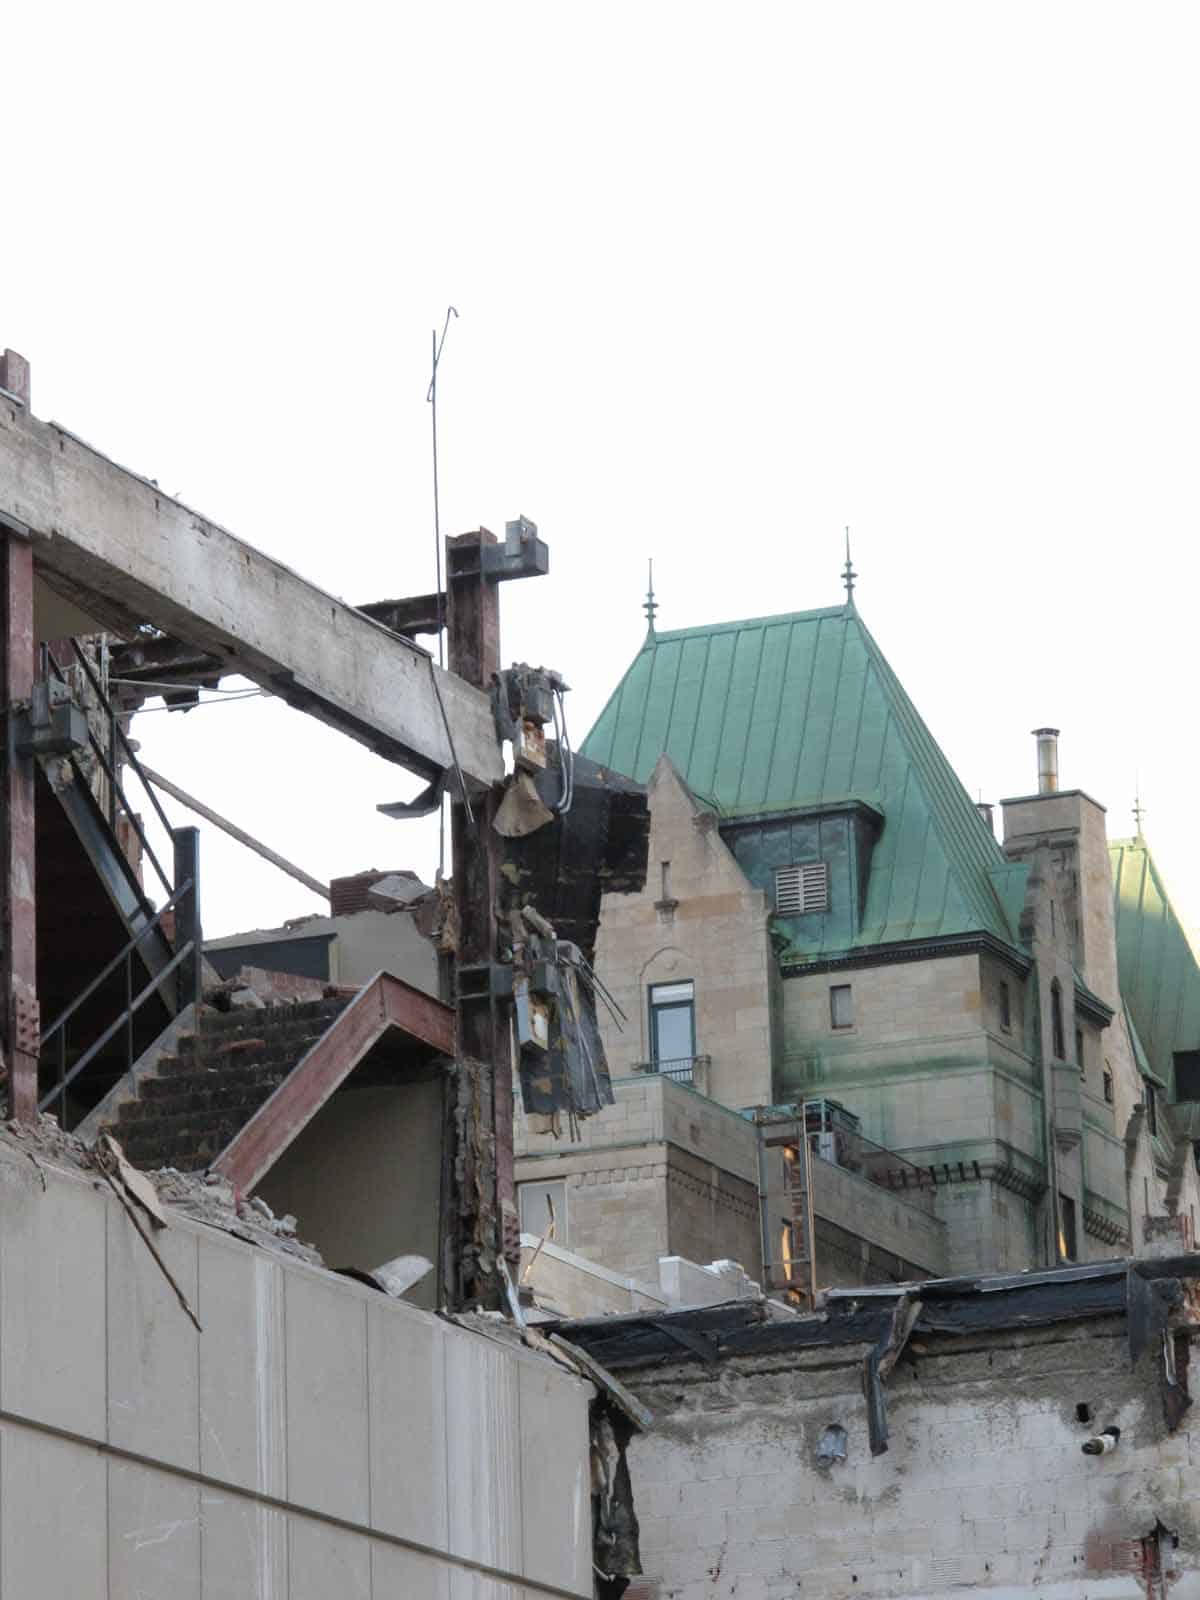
431	399
566	756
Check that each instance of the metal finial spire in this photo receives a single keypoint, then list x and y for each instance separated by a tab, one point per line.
1139	810
650	605
848	573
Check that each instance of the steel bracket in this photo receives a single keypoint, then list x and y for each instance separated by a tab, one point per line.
521	555
51	730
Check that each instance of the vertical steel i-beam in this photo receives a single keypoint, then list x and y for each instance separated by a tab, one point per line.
21	1022
473	629
187	914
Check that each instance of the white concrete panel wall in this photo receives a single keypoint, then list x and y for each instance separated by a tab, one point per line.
316	1440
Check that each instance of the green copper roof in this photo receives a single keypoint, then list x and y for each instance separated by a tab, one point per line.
1160	978
784	712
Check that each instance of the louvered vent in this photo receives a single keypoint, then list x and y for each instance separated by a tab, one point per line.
801	889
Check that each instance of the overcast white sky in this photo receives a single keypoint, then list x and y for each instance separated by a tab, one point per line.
729	278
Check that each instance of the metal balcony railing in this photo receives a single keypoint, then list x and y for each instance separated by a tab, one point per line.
682	1069
847	1148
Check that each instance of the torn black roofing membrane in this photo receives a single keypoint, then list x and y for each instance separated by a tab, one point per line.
885	1316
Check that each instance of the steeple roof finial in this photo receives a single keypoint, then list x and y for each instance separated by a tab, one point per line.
650	605
1139	810
848	573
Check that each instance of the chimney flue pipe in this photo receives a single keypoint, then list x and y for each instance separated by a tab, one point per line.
1047	748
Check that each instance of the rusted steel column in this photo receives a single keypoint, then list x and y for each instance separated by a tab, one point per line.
186	842
22	1026
473	631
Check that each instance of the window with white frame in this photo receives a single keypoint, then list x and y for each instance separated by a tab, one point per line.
801	888
672	1022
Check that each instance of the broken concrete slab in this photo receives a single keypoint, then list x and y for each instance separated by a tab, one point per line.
117	546
395	892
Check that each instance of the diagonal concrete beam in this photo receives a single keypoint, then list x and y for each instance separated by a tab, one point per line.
116	545
384	1004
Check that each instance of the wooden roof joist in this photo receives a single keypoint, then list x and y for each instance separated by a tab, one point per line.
126	553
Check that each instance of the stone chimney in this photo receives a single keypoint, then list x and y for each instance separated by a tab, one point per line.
1072	824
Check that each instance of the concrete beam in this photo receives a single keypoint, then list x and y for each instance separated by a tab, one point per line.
384	1004
116	545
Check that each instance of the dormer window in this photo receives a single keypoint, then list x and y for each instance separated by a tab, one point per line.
801	888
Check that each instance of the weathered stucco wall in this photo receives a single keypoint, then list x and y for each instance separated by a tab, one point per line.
360	944
363	1178
984	1487
317	1440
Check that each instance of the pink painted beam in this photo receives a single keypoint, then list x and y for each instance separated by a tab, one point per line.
384	1005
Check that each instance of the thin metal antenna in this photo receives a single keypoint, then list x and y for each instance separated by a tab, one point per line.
431	398
1139	810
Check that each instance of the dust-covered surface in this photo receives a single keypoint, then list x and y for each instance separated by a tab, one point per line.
211	1201
986	1482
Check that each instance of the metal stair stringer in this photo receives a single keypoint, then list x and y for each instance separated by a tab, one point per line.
112	866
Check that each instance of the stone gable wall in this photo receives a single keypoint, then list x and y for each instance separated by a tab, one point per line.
714	933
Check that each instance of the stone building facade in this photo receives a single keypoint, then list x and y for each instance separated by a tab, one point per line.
670	1172
828	916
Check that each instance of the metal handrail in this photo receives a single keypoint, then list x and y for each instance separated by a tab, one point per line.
109	767
182	893
115	726
124	1020
112	966
115	784
674	1066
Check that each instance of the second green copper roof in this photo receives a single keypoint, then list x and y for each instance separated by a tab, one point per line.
1160	977
799	710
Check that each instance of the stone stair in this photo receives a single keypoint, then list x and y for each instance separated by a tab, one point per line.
216	1079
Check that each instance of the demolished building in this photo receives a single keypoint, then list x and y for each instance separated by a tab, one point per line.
1008	1436
190	1400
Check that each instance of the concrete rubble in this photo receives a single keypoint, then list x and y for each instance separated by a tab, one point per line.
206	1199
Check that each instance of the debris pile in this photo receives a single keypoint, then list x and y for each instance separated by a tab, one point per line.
210	1200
